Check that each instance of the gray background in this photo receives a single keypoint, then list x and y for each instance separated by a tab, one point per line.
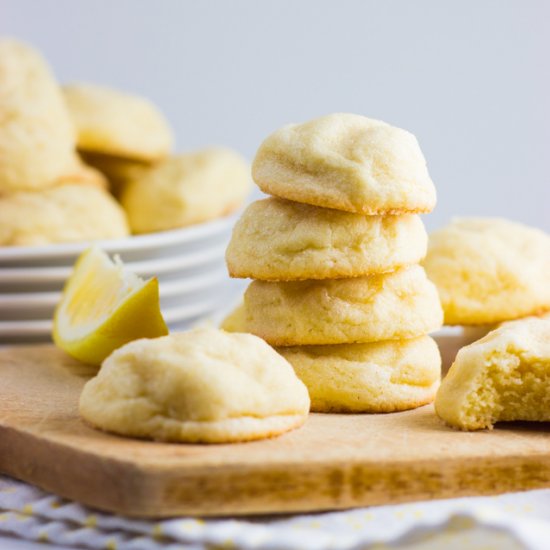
470	78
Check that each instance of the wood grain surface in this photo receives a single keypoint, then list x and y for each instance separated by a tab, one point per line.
334	461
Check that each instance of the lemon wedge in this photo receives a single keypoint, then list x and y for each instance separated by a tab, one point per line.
103	307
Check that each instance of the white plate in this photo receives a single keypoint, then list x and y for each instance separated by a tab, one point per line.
41	305
147	243
23	276
25	328
169	289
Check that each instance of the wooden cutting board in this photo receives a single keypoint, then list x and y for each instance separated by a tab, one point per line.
334	461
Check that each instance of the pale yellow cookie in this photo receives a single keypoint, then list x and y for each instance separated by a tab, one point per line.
504	376
205	386
82	173
348	162
391	306
117	123
378	377
489	270
37	138
280	240
119	171
66	213
236	320
186	189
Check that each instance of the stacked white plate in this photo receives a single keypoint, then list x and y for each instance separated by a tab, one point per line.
189	264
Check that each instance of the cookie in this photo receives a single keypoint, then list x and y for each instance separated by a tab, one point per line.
280	240
202	386
185	190
505	376
67	213
489	270
115	123
347	162
119	171
37	138
392	306
82	173
388	376
236	320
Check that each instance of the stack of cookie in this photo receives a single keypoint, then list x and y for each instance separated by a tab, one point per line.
335	255
128	139
118	133
67	153
46	193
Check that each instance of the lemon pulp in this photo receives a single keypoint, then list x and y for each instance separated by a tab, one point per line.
103	307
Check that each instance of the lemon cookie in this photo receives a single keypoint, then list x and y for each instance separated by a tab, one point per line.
186	189
37	138
82	173
280	240
502	377
348	162
119	171
112	122
236	320
67	213
377	377
391	306
201	386
489	270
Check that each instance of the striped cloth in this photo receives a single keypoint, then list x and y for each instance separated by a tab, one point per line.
512	521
